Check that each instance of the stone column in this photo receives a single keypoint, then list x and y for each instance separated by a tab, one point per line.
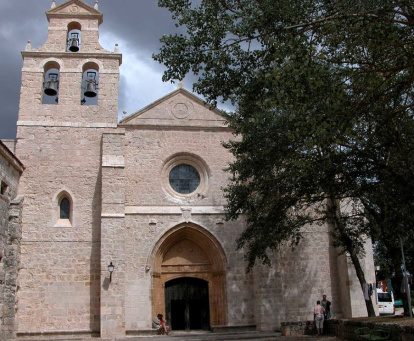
113	237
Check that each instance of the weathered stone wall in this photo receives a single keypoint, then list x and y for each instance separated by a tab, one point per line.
149	150
60	272
289	289
11	263
113	236
10	171
10	237
299	328
346	329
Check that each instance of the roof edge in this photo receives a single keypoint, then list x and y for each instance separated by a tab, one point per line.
10	157
53	12
163	98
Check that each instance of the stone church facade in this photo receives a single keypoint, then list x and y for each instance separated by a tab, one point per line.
144	195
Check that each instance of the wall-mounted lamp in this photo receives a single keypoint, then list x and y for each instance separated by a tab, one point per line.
111	268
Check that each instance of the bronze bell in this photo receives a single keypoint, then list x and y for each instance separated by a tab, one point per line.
74	45
74	42
51	85
90	89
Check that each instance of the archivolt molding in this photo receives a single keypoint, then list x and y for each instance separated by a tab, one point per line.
60	194
40	68
195	233
91	61
214	273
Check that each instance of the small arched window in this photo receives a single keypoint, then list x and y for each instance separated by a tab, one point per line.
64	209
51	83
74	37
90	78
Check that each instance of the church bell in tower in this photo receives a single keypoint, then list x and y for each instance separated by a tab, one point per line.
51	85
90	84
74	42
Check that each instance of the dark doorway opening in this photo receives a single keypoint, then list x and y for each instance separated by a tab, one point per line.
187	304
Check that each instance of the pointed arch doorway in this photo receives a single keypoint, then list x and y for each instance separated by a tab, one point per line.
189	278
187	304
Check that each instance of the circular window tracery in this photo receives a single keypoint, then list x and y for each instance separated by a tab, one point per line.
185	177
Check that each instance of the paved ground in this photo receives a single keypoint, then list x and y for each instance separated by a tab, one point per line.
248	336
238	337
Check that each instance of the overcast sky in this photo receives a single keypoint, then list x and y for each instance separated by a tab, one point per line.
136	25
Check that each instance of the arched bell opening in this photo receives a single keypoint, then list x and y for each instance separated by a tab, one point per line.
189	258
90	78
74	37
51	83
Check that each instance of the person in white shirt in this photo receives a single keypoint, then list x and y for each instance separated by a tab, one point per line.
318	314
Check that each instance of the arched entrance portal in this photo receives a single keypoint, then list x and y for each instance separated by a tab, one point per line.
189	269
187	304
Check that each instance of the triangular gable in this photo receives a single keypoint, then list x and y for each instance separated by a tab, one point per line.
74	8
180	108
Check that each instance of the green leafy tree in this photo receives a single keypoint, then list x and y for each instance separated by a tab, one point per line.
324	104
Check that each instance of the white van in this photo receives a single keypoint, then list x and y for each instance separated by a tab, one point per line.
385	302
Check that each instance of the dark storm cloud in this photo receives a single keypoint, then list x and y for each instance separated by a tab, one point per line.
139	23
17	24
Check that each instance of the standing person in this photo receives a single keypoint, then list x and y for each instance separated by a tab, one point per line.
327	306
159	324
318	314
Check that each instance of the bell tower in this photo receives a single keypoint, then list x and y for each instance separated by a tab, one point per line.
68	102
71	78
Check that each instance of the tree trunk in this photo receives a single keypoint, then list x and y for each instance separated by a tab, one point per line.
394	253
362	281
335	217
